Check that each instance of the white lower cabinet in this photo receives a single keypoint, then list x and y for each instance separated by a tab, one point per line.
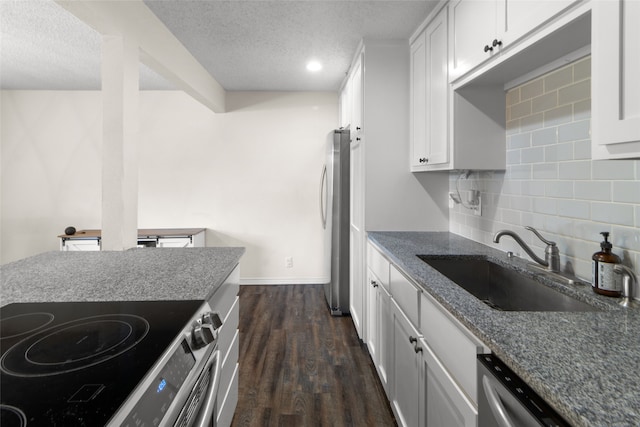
404	381
425	358
442	401
378	327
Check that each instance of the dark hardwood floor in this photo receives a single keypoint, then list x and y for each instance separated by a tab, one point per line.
299	366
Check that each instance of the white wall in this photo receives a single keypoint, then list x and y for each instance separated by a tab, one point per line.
250	176
51	168
551	183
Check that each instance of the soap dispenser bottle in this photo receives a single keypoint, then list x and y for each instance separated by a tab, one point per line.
603	279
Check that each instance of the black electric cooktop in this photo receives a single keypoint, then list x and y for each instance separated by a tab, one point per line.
74	363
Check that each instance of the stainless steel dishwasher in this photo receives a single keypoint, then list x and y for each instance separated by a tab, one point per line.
504	400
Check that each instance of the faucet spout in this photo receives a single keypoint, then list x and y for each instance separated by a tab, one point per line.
552	257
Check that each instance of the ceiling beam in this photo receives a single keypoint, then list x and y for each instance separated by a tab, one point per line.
159	48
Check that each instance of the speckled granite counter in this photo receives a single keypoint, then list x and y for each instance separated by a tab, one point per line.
135	275
585	364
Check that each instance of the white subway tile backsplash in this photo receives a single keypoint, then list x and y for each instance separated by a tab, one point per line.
582	69
519	172
520	110
544	102
557	116
612	213
532	89
548	136
545	206
593	190
563	193
582	150
613	169
559	189
582	110
575	92
574	131
574	208
559	152
626	191
625	237
520	140
533	122
577	170
545	171
532	155
558	78
513	157
533	188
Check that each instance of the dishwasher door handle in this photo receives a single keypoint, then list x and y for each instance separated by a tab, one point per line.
497	408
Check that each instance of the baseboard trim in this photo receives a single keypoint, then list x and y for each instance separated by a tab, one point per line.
283	281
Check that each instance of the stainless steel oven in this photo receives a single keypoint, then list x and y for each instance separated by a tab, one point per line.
148	363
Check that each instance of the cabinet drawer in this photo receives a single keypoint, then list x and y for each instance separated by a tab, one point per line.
453	344
378	264
406	294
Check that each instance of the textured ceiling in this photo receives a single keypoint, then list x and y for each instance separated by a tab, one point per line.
245	45
265	45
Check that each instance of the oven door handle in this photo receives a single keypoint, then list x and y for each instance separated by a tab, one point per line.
497	408
206	411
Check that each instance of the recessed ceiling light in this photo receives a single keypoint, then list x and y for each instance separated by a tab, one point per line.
314	66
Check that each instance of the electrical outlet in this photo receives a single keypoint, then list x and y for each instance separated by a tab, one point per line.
288	262
477	209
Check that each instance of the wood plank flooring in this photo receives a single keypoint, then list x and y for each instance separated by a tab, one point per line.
299	366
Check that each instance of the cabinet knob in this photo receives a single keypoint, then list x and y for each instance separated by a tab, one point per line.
358	139
412	340
423	160
487	48
358	128
417	349
374	284
496	42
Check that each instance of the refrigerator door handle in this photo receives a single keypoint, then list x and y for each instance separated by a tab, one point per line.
323	207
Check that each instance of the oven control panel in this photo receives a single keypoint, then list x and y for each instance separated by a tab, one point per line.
157	399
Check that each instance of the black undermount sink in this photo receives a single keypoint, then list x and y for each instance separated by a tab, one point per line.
502	288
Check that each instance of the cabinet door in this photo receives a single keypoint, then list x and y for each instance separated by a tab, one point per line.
443	403
405	369
81	245
175	242
357	269
438	90
615	68
516	18
384	327
473	26
418	102
373	295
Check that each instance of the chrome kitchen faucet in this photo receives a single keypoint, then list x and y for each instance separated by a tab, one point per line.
551	254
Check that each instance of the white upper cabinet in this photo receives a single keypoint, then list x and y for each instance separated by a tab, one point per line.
516	18
615	82
430	92
447	131
473	26
482	29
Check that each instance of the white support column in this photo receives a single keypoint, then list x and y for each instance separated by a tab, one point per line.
120	103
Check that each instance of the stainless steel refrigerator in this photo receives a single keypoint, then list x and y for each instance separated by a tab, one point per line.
334	210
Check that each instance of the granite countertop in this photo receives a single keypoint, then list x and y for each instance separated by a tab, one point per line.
134	275
584	364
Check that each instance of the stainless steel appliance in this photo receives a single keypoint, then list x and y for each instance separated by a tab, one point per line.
504	400
152	363
334	212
